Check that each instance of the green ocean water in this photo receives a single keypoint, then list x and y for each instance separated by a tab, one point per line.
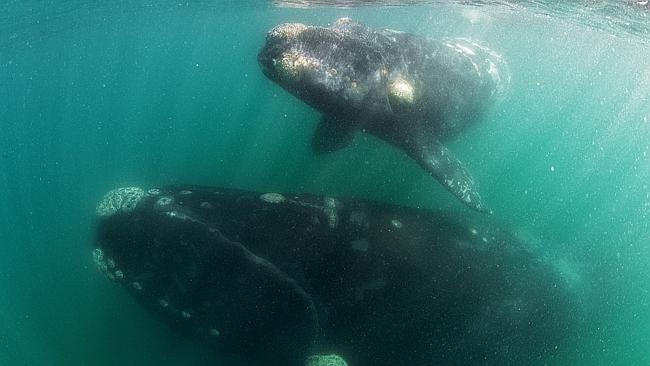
140	93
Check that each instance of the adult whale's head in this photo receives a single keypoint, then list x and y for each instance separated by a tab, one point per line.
167	247
410	91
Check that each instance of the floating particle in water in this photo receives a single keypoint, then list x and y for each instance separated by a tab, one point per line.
136	285
396	223
214	332
206	205
163	303
273	198
474	231
186	314
185	192
119	274
552	168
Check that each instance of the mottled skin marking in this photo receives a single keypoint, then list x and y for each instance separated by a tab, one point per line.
410	91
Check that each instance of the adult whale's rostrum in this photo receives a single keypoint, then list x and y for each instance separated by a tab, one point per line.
274	279
410	91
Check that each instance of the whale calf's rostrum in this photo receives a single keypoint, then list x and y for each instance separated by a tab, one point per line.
410	91
275	279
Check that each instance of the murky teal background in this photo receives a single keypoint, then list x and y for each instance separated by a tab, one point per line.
137	93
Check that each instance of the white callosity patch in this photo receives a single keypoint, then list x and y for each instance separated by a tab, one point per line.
293	64
153	192
400	92
273	198
331	209
286	31
163	202
325	360
123	199
100	262
106	266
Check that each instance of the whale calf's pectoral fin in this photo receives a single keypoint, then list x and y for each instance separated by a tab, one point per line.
439	161
331	134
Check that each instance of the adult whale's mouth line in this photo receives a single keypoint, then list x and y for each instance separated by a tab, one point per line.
288	279
410	91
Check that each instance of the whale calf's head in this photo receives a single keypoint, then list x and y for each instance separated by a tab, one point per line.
326	67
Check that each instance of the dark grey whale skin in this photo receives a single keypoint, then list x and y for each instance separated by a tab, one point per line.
347	71
281	277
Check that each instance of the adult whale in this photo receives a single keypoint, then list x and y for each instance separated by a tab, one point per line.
274	278
410	91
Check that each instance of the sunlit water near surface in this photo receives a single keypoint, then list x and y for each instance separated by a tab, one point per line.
149	93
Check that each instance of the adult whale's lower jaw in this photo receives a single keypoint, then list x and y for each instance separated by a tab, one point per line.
285	279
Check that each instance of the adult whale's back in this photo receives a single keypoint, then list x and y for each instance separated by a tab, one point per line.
410	91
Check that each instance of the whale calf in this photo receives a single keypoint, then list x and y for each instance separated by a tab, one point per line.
274	279
410	91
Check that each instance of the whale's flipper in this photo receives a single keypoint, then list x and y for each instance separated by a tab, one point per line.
332	134
439	161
